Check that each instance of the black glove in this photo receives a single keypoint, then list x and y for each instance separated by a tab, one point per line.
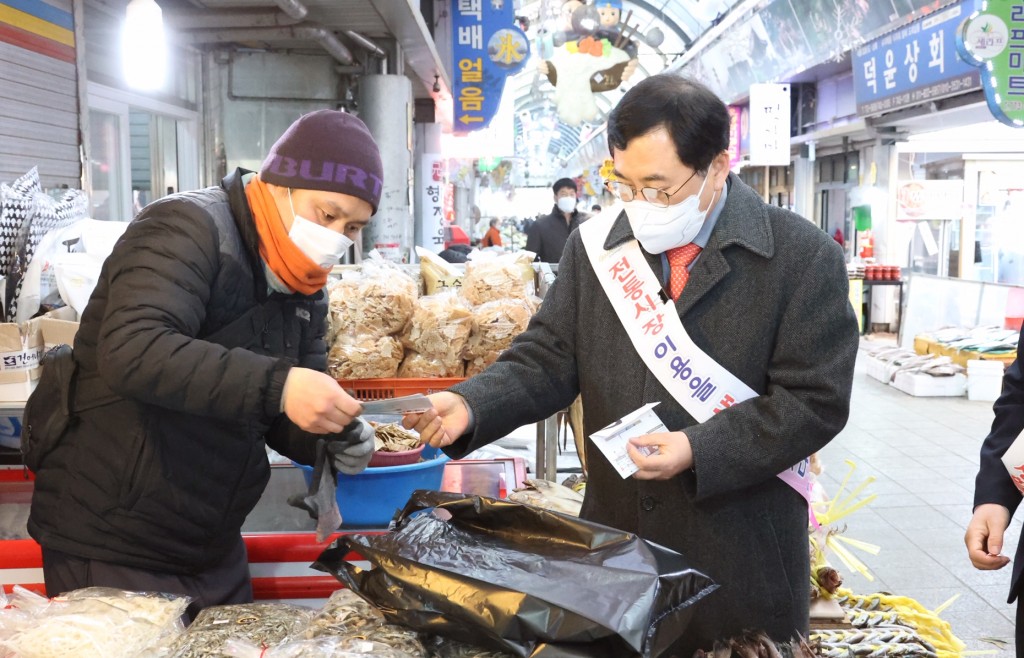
352	450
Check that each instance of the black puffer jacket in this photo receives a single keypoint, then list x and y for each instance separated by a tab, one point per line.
182	358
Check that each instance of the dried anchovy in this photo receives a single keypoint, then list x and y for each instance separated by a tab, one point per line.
442	647
258	623
345	613
397	637
390	437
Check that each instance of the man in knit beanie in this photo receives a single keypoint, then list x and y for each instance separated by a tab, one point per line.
202	344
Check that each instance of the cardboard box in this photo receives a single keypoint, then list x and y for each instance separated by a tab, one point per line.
59	327
922	385
21	348
924	344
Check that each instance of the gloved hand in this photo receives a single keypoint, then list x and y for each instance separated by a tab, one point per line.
352	450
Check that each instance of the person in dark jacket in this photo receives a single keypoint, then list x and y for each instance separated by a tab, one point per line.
763	300
995	496
547	236
202	343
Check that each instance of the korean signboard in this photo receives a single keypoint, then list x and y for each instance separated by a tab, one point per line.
929	199
432	184
736	129
769	124
993	40
914	64
487	47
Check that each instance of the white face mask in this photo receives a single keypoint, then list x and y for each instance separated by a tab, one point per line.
661	229
323	246
567	203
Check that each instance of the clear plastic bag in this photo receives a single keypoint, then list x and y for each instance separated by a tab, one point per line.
376	301
490	277
423	365
363	357
495	326
439	328
257	623
344	613
325	647
100	622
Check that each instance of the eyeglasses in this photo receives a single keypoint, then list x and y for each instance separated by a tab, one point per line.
651	195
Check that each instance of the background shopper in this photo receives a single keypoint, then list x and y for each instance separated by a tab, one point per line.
204	341
547	236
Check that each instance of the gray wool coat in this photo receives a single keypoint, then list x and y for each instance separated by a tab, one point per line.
767	299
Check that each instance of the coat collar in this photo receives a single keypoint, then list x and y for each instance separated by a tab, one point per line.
743	222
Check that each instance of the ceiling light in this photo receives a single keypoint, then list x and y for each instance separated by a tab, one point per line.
144	46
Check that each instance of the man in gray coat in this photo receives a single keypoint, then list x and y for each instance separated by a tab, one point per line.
765	296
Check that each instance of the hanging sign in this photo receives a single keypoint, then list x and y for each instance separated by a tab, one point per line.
993	40
913	65
735	134
487	47
432	186
769	124
929	199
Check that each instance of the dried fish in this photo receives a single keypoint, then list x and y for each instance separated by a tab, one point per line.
422	365
496	324
396	637
377	301
324	647
439	328
549	495
391	437
344	613
364	357
496	278
257	623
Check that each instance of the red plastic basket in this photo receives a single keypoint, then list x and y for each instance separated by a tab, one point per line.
386	388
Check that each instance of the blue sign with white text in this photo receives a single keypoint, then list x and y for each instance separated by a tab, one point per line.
487	47
914	64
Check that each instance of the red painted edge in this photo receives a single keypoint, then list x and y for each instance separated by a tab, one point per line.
35	43
21	554
294	587
290	547
15	475
38	588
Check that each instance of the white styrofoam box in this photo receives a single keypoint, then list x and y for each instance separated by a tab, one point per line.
879	369
985	367
984	387
923	386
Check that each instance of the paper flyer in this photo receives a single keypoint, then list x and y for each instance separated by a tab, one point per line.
1013	460
612	440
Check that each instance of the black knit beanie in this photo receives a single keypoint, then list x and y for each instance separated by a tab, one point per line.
327	150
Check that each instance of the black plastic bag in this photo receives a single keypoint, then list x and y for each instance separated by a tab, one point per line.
522	579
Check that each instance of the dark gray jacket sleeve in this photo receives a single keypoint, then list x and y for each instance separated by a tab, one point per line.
537	376
807	398
160	275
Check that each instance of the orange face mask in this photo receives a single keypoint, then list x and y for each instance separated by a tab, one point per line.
289	264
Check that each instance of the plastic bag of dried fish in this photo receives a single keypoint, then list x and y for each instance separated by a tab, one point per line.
364	357
490	277
439	328
495	325
422	365
258	623
93	622
344	613
376	301
477	365
325	647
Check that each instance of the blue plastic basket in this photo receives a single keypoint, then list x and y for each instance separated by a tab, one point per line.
371	498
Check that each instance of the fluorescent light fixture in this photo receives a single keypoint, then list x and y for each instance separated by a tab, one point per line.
144	46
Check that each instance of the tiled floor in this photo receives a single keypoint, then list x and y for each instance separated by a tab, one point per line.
924	454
